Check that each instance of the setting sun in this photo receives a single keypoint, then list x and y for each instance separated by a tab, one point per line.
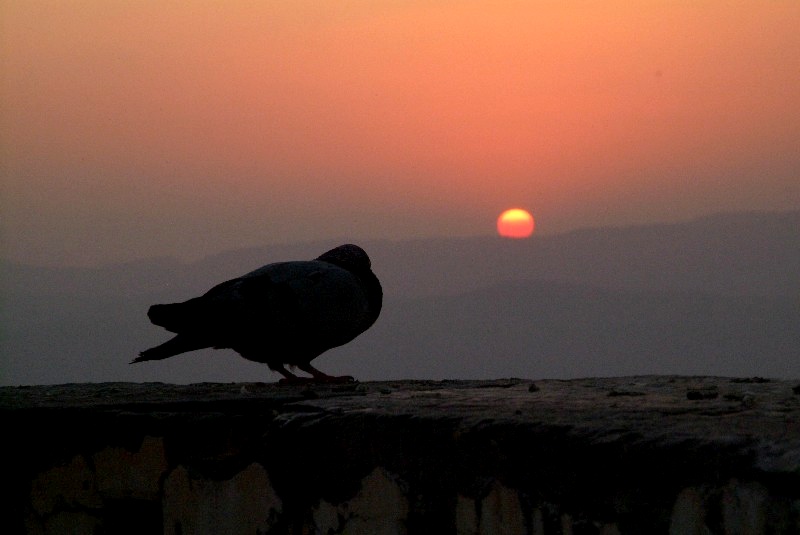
515	223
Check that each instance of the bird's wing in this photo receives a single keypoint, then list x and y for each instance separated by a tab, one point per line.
307	295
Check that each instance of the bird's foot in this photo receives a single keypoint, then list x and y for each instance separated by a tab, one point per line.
333	379
296	380
320	379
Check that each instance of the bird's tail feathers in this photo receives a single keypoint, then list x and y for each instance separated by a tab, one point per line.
170	348
171	316
179	317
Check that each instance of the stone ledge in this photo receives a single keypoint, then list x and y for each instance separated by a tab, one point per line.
610	455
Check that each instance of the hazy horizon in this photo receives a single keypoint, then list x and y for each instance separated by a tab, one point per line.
136	130
196	131
200	256
715	296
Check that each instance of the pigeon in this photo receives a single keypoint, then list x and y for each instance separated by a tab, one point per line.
286	313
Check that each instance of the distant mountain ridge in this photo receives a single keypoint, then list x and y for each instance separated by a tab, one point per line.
547	329
749	254
716	295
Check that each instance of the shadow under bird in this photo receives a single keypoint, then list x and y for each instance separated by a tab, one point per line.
286	313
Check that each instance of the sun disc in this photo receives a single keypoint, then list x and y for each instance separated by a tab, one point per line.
515	223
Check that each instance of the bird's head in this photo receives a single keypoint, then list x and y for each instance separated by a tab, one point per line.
348	256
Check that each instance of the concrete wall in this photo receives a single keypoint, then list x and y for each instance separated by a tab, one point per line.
604	456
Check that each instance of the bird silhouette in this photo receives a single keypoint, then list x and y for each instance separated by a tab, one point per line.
286	313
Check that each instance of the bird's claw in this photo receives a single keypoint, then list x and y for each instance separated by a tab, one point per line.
296	381
339	379
327	379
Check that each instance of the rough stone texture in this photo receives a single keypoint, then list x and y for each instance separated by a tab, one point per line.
123	474
379	508
245	503
609	456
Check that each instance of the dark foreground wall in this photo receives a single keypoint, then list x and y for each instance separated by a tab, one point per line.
606	456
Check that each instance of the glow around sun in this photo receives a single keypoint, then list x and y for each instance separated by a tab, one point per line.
515	223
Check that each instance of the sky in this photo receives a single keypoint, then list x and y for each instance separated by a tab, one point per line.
137	129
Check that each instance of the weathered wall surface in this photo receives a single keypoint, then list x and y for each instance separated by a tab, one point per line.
605	456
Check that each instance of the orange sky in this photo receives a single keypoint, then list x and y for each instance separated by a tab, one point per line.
132	129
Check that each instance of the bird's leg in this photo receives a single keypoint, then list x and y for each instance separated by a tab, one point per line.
289	378
321	377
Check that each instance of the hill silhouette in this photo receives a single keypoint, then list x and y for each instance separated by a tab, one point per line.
718	295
